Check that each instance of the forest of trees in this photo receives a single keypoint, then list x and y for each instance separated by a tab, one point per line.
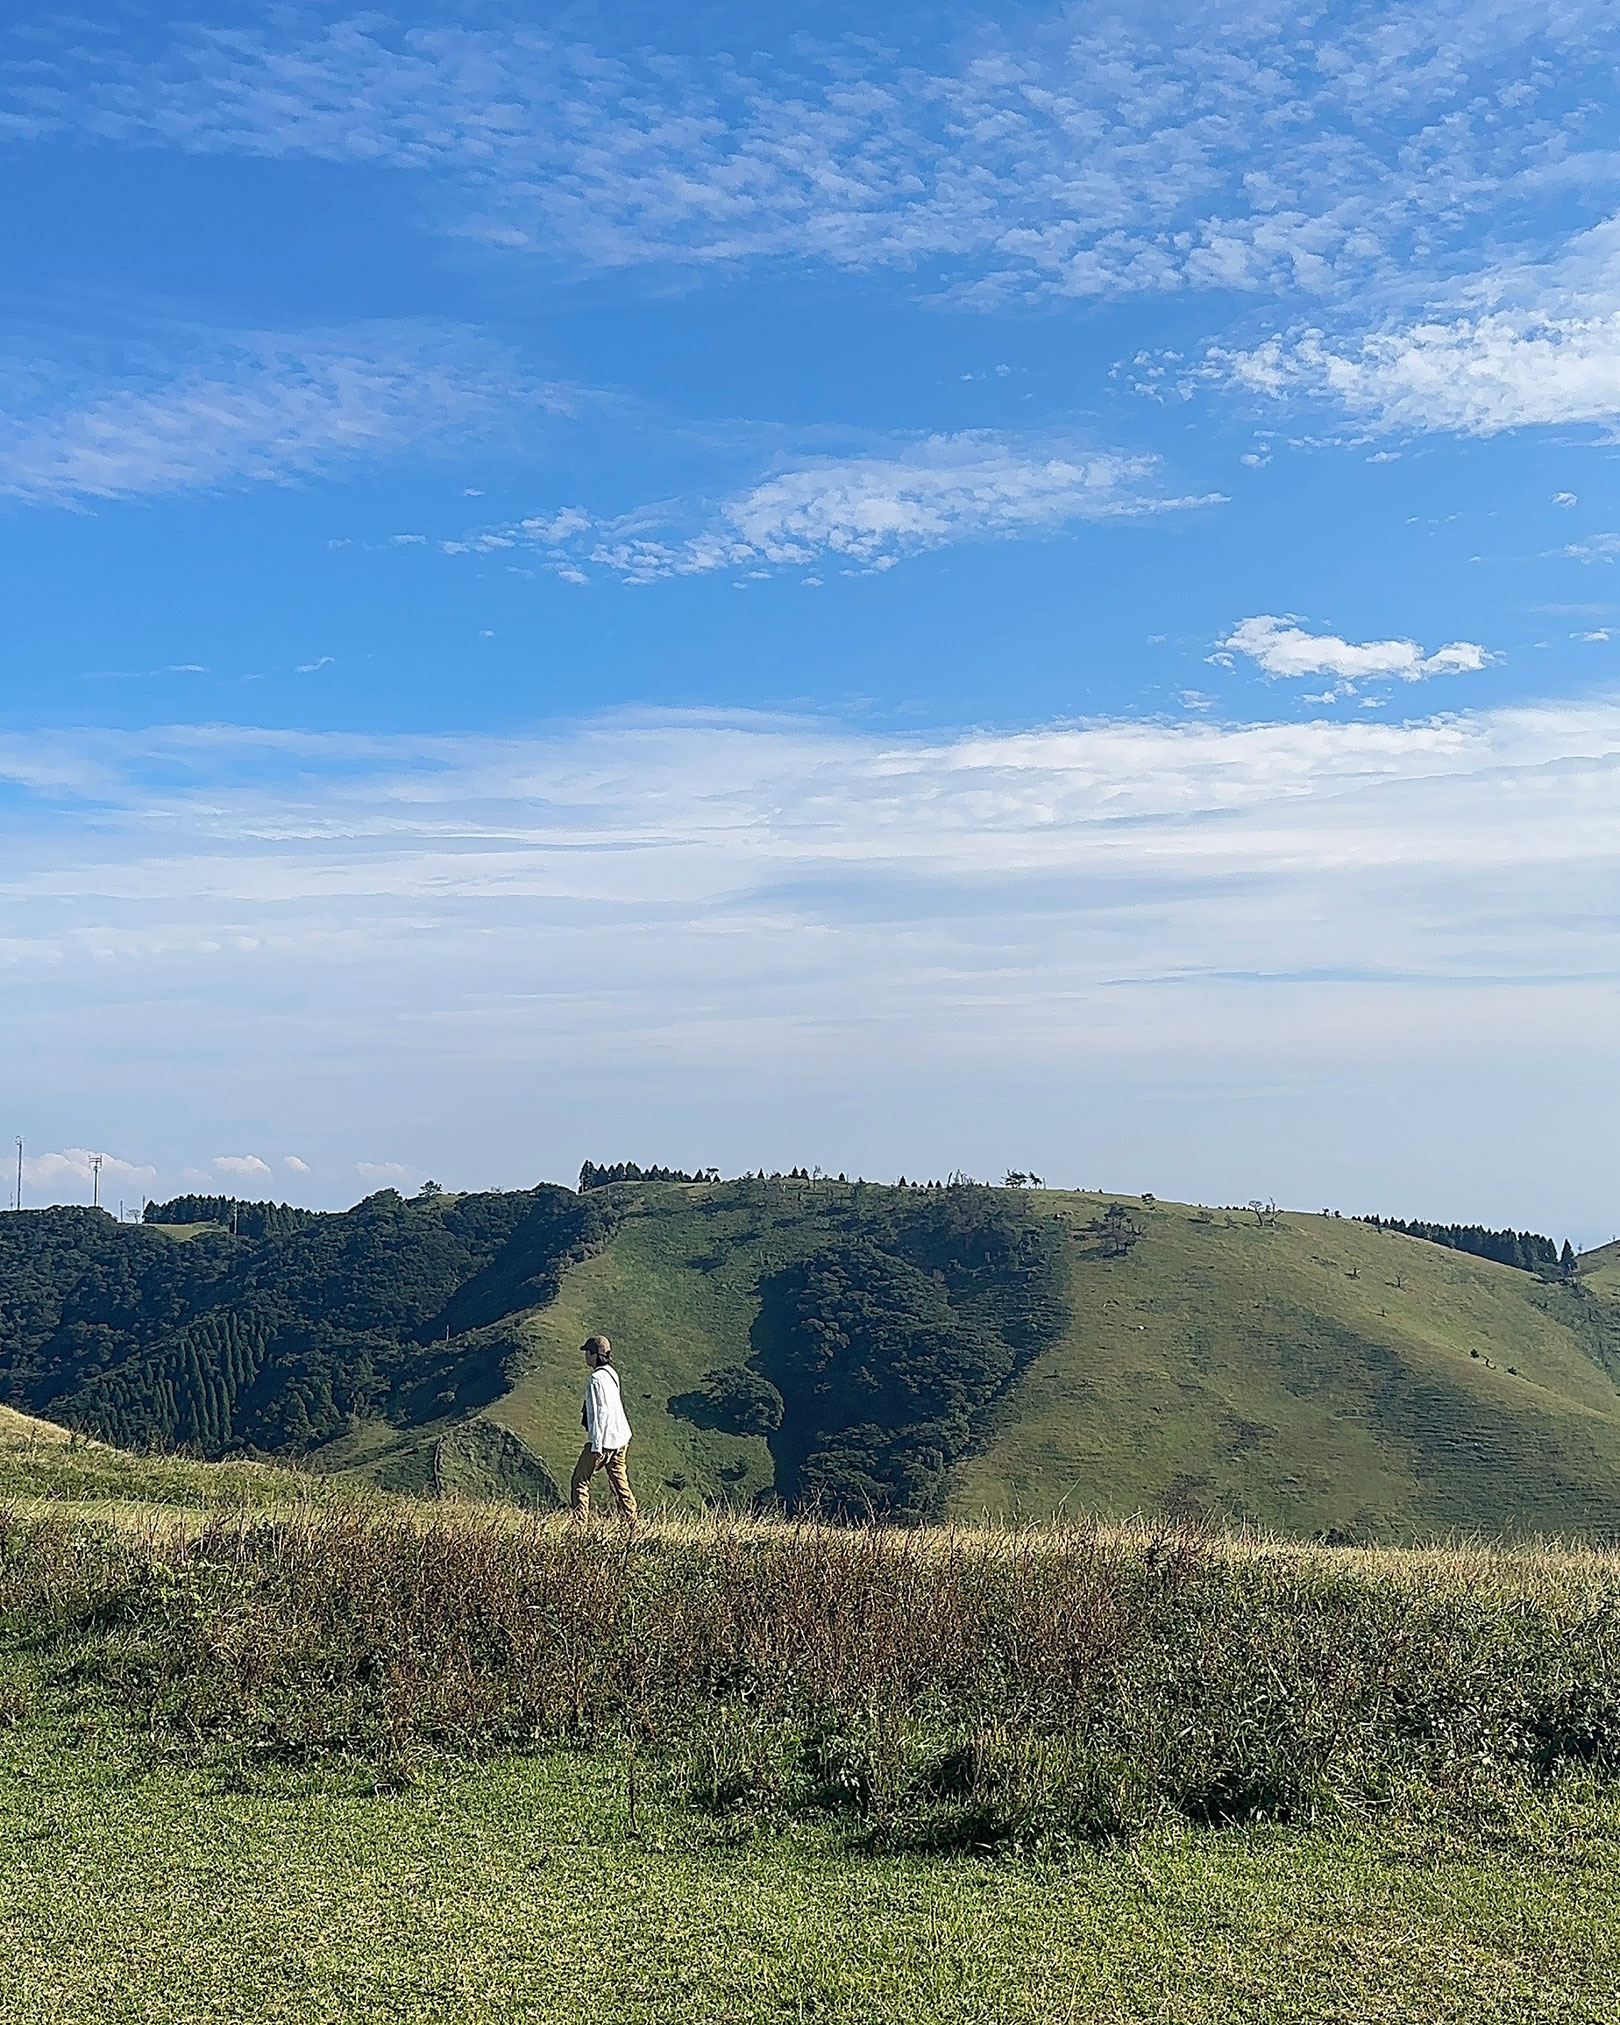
1526	1249
243	1219
888	1346
592	1176
272	1341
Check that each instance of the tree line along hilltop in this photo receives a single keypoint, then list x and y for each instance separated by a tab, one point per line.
909	1351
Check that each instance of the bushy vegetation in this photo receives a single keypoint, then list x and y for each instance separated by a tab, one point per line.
732	1400
1026	1688
1528	1250
592	1176
888	1344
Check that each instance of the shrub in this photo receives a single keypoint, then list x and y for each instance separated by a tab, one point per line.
1027	1688
732	1400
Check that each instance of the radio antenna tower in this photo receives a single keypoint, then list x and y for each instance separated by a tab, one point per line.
95	1181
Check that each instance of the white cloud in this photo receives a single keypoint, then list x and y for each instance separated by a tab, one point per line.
638	864
1474	375
71	1174
385	1173
292	1162
199	409
1283	649
1565	499
1530	342
1085	151
748	932
242	1166
1596	548
863	512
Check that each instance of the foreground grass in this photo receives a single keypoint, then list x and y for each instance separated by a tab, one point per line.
345	1764
134	1892
1032	1690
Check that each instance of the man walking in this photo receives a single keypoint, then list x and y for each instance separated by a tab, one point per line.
607	1436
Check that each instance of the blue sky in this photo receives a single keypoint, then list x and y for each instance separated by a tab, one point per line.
956	590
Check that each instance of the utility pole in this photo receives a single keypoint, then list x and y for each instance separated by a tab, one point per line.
95	1181
19	1171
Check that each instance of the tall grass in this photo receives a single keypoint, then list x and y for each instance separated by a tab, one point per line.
1023	1686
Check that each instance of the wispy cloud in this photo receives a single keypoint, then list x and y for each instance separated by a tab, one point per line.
1282	648
636	854
862	513
241	1166
1085	151
685	927
206	409
1596	548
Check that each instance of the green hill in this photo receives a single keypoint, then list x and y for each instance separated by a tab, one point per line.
917	1352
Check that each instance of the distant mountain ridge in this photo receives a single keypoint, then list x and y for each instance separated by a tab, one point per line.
908	1351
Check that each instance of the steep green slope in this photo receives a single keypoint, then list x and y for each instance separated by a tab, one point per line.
1312	1374
1600	1270
835	1344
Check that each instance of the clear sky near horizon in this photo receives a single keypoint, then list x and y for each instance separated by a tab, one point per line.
792	586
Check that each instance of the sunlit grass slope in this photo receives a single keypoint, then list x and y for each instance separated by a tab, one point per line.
1600	1270
1306	1373
677	1291
41	1461
1311	1374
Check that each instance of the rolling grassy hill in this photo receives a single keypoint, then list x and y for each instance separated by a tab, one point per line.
42	1461
1272	1373
963	1352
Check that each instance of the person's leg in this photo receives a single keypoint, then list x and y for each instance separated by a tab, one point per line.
619	1477
579	1491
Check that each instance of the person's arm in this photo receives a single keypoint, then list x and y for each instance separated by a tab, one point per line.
593	1413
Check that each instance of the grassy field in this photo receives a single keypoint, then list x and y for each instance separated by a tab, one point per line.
320	1762
1311	1374
41	1462
517	1890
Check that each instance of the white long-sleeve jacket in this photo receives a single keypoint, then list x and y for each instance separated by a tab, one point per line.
605	1424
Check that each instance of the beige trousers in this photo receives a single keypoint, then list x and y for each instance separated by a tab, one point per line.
611	1462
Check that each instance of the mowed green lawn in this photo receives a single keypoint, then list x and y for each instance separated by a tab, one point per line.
517	1891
